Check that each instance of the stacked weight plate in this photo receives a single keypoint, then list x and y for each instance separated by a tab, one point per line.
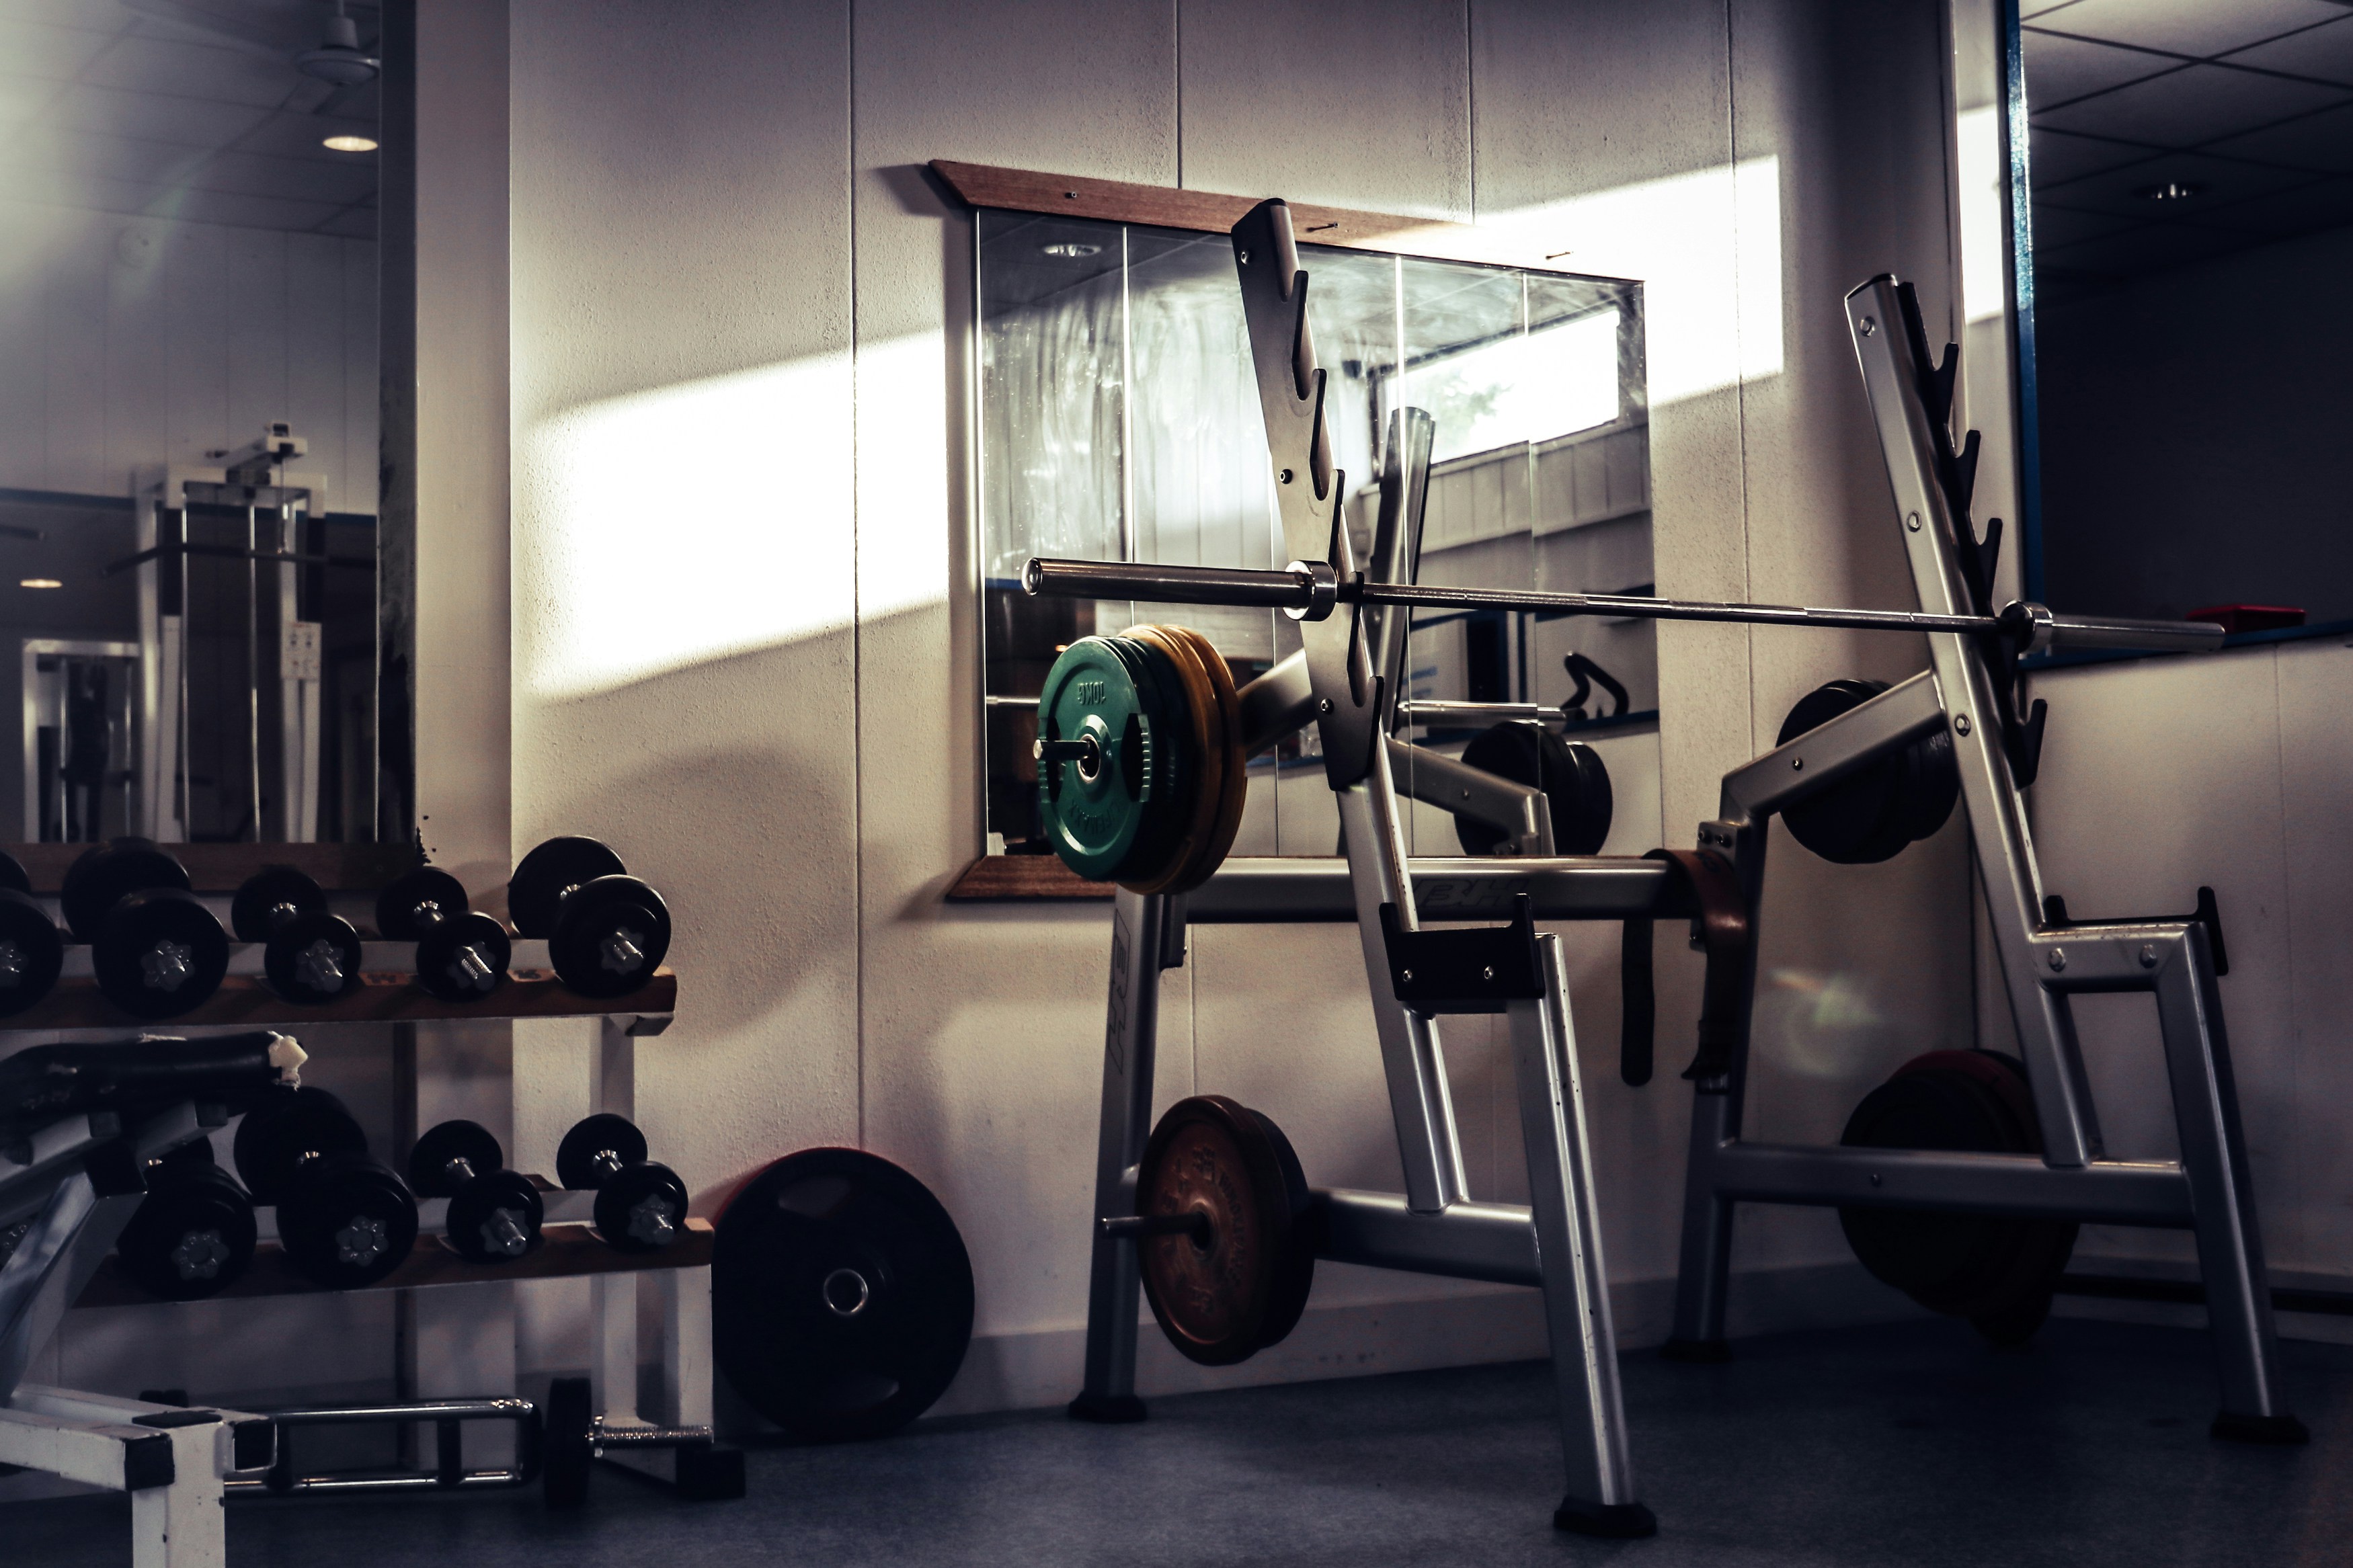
1156	803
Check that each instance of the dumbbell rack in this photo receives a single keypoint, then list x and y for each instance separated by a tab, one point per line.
388	995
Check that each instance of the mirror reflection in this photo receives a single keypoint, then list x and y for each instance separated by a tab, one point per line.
1119	421
188	440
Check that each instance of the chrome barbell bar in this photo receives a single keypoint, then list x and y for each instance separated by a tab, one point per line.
1309	591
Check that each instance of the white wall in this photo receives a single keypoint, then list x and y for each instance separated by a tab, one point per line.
132	342
744	587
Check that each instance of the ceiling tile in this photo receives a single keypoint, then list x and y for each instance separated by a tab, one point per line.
2143	250
2055	226
35	48
82	14
194	70
2054	157
356	222
296	179
85	155
240	211
2190	106
2314	205
189	121
2216	181
288	135
2326	52
2060	69
2199	27
2322	141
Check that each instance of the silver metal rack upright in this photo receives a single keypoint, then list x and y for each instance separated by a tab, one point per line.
1342	681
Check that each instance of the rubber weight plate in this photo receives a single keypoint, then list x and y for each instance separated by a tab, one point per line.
495	1219
13	876
270	895
400	908
1215	786
443	1145
1222	1298
347	1221
1870	815
1574	781
594	1140
96	882
313	958
1997	1271
1096	810
535	892
286	1130
192	1233
841	1295
32	951
159	953
463	959
610	936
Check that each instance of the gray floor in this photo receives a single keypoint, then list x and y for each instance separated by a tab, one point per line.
1908	1444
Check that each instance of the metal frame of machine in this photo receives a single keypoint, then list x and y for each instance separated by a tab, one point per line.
1433	1226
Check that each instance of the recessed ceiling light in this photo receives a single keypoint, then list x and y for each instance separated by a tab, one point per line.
349	145
1071	249
40	583
2172	191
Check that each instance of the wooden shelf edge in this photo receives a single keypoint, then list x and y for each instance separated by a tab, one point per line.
566	1251
243	1000
223	867
1024	879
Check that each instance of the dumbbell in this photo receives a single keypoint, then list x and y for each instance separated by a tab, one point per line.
192	1233
32	949
345	1220
606	930
495	1214
461	953
310	956
157	950
641	1205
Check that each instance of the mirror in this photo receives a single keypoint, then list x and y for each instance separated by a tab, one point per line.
2183	318
1119	421
189	450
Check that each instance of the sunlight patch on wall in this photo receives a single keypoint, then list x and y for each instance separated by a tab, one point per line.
669	528
1985	228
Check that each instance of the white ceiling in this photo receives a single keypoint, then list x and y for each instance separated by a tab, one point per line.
107	107
2248	103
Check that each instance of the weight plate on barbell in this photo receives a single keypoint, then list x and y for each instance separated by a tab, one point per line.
1096	808
1997	1271
1213	788
535	892
841	1295
1223	1298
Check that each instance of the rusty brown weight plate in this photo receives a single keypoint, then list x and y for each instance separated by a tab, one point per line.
1224	1298
1214	717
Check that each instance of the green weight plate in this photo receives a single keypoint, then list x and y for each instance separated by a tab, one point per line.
1095	810
1175	761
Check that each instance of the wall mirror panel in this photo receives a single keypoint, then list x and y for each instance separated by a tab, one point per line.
189	452
2187	198
1119	420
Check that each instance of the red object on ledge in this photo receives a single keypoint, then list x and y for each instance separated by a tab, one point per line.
2236	618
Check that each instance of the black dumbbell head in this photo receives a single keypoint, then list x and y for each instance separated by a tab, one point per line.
290	1129
416	901
1575	780
312	960
535	892
430	1163
495	1217
191	1235
159	953
13	876
32	951
463	959
347	1221
610	937
100	880
270	895
594	1143
641	1207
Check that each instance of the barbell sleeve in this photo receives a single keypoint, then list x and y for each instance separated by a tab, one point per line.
2036	629
1167	585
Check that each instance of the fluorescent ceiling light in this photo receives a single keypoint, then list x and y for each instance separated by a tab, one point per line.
349	145
40	583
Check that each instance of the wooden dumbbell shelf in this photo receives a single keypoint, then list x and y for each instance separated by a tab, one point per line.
388	997
567	1250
